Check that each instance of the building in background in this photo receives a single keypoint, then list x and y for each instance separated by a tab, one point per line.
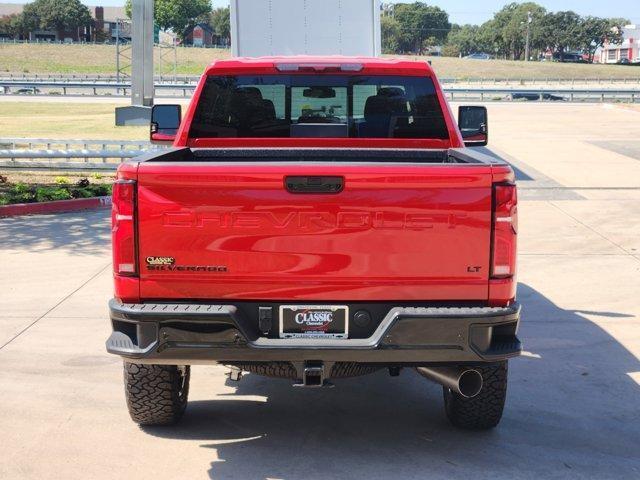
200	35
107	21
627	51
102	28
204	35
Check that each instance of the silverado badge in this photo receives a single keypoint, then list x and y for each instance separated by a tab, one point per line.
160	260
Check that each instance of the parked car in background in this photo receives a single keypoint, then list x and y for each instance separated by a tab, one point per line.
626	61
27	91
533	96
479	56
570	57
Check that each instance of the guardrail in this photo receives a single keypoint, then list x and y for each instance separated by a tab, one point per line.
545	81
19	143
483	93
64	87
90	77
544	94
184	78
78	154
103	155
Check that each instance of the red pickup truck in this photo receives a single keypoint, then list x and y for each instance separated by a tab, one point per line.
316	218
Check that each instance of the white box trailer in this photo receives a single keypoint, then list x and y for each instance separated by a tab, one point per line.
305	27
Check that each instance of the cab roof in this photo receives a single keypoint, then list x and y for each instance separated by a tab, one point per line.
320	65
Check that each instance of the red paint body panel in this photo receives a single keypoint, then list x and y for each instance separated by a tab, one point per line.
127	289
502	291
396	232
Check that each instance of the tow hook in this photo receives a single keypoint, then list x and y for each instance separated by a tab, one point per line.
313	375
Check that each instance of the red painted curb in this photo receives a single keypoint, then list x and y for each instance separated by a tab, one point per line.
55	206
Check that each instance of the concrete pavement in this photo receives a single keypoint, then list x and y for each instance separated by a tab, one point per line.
573	409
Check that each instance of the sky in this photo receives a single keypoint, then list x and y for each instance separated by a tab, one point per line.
466	11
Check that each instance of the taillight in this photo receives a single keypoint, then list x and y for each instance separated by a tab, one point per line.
123	227
505	230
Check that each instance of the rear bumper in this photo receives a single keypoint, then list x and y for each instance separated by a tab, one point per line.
189	334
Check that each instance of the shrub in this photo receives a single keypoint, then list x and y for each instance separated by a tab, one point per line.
20	188
62	181
101	190
24	193
21	193
450	51
81	193
47	194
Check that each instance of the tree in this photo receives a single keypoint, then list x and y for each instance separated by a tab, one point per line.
419	23
177	15
562	31
390	29
525	15
221	22
10	25
507	31
57	15
505	34
595	32
464	40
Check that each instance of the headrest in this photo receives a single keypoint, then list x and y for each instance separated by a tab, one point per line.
391	92
252	92
386	105
376	105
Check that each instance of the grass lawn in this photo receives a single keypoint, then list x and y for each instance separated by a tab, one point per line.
447	67
98	59
32	58
64	120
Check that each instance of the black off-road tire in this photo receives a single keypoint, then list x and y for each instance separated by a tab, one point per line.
483	411
156	394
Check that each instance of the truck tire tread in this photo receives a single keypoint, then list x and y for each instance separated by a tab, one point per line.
483	411
156	394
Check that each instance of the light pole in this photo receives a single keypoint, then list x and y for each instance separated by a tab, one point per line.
528	42
142	88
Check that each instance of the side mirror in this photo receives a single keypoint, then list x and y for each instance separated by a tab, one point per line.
165	121
474	126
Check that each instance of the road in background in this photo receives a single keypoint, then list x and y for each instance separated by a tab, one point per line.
574	398
498	92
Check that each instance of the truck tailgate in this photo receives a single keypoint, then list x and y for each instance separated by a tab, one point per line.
210	230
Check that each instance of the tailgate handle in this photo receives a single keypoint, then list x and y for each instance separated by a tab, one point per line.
314	184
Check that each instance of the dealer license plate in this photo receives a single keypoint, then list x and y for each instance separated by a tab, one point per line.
314	321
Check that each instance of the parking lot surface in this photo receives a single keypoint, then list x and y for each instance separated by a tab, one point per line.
573	409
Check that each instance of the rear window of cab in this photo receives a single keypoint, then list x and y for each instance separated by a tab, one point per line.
319	106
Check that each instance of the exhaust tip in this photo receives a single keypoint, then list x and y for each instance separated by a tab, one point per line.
470	383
